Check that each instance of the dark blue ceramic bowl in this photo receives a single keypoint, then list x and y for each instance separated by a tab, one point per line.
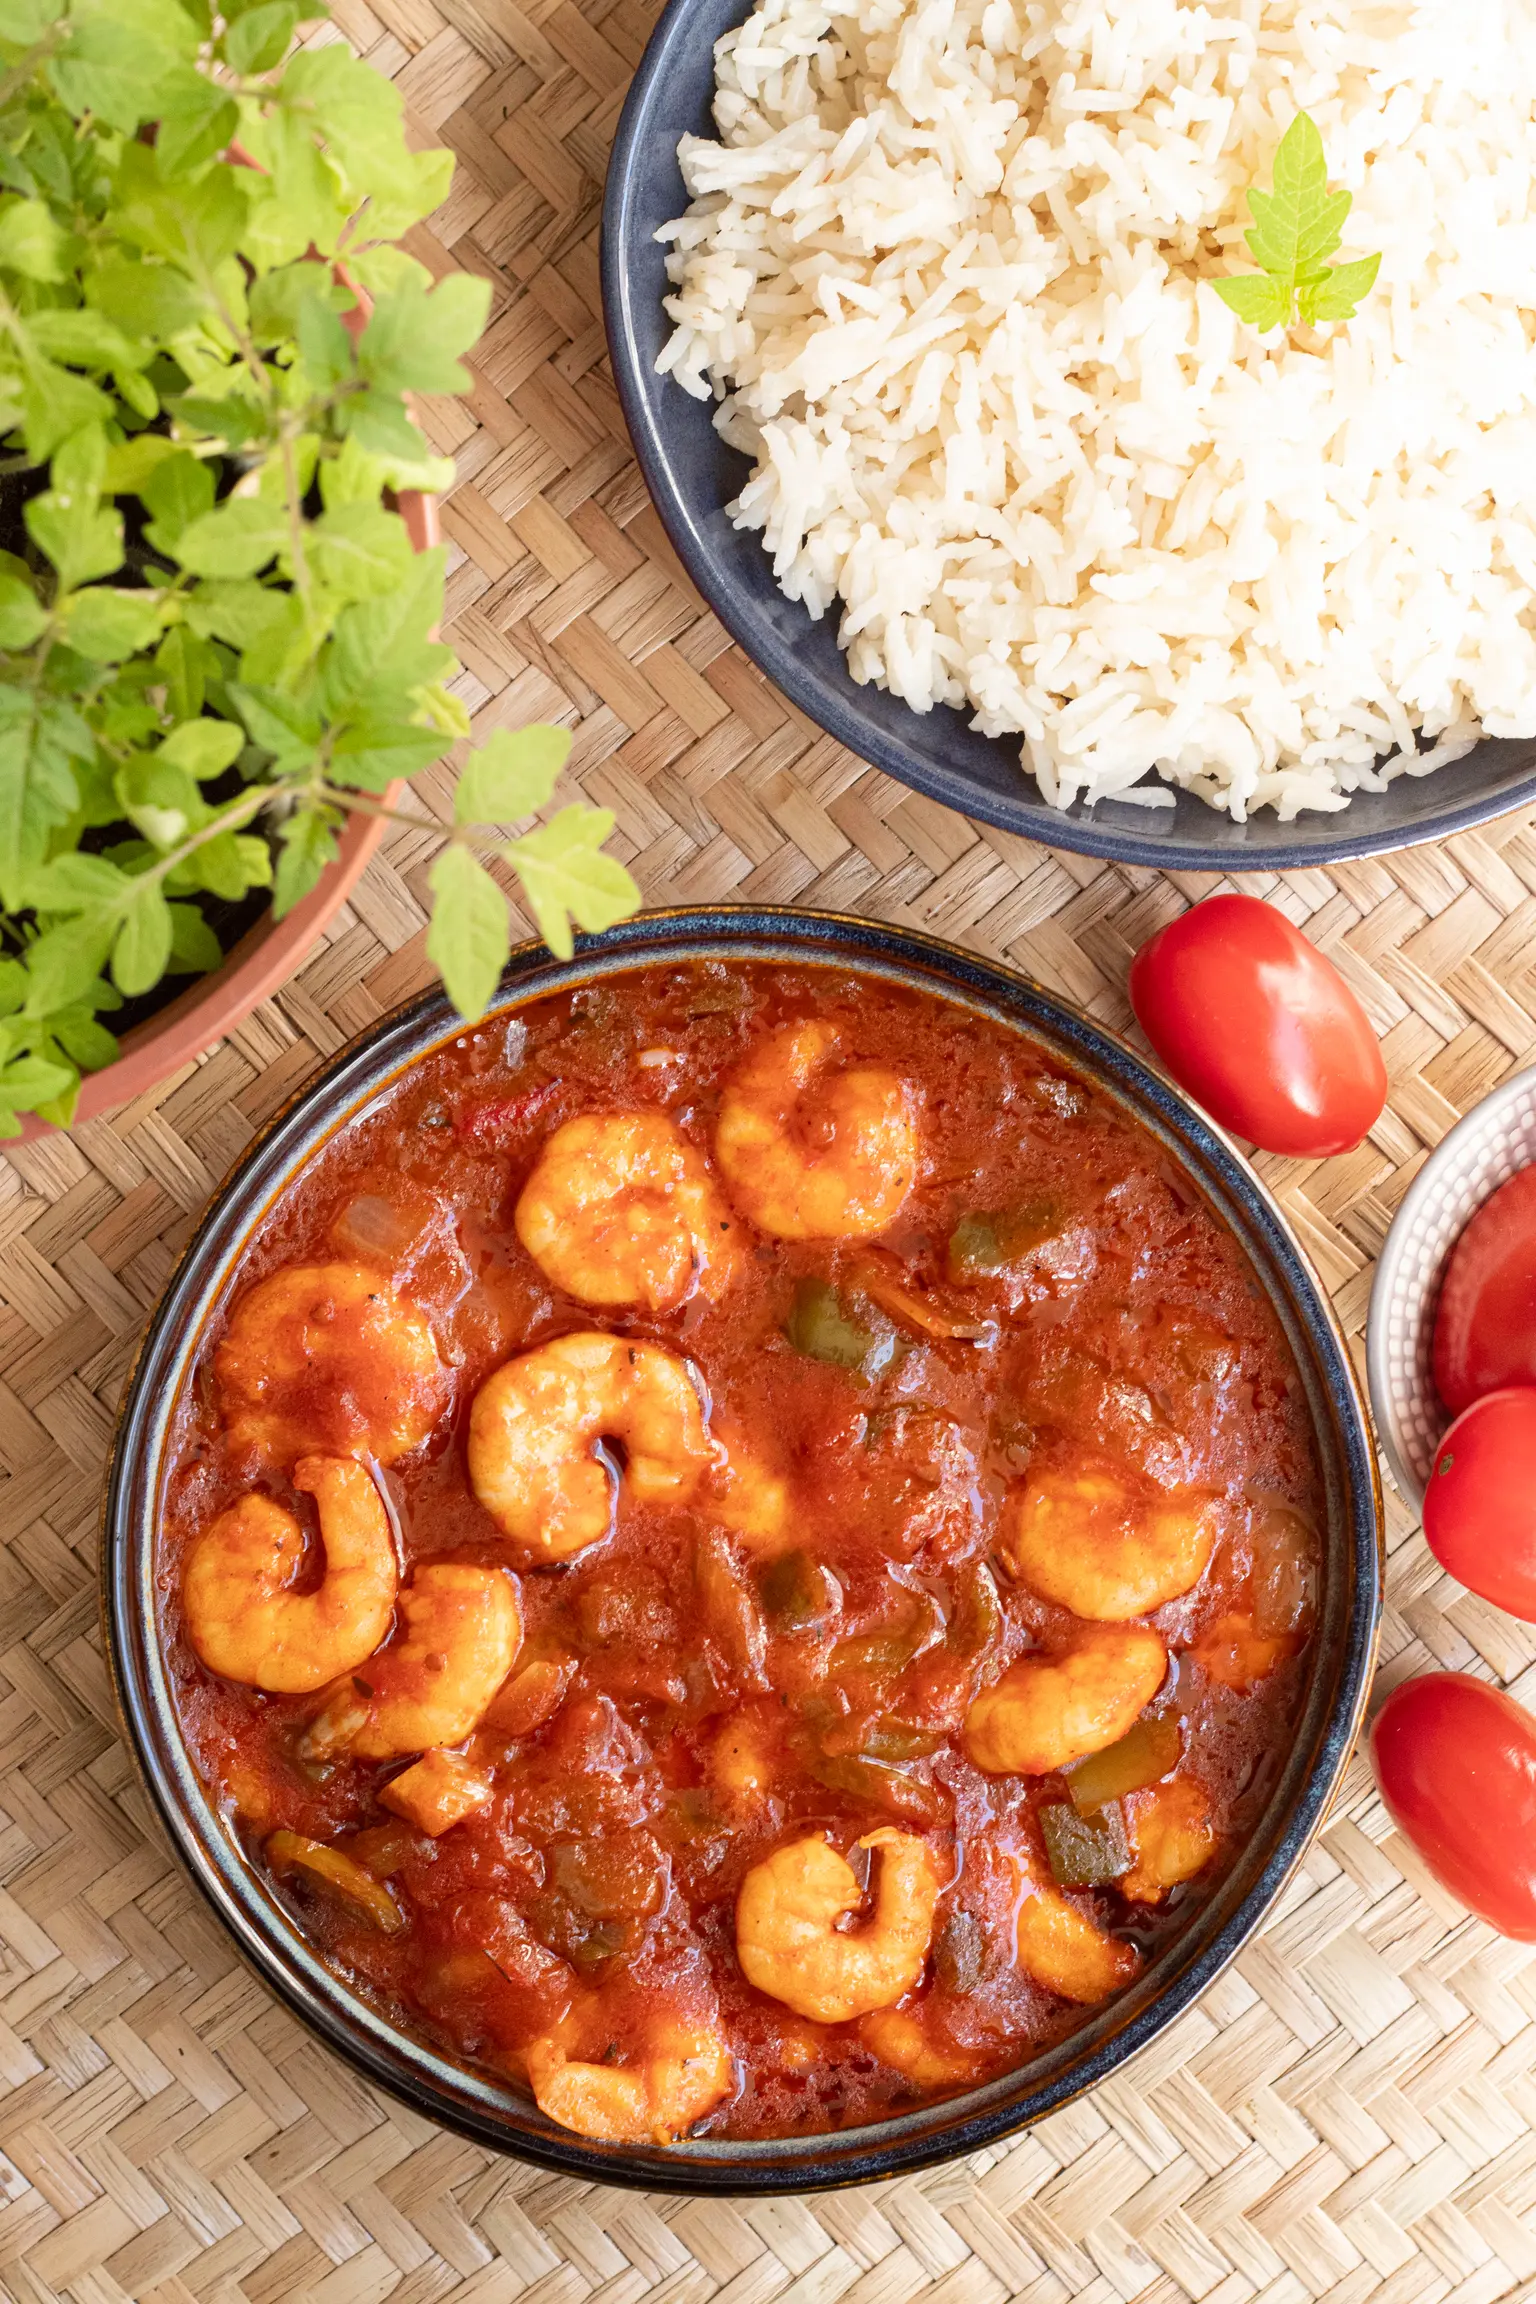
692	475
1342	1651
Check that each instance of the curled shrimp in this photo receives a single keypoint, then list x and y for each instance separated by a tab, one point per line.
686	2069
903	2038
620	1209
1047	1711
535	1426
812	1153
1064	1950
789	1943
330	1357
1172	1835
1088	1541
430	1686
240	1614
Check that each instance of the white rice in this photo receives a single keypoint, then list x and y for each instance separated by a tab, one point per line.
945	272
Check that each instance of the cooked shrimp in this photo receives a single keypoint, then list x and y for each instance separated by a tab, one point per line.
687	2069
1234	1651
1047	1711
329	1357
789	1943
431	1684
811	1153
1172	1834
241	1616
747	1757
535	1425
741	1492
1088	1541
620	1209
1063	1950
901	2038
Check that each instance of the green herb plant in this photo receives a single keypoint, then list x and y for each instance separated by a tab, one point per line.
215	639
1296	228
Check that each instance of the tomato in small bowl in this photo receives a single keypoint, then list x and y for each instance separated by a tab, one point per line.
1480	1505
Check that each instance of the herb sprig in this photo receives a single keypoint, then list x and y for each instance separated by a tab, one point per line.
1296	228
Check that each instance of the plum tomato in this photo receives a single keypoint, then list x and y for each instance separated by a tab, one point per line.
1485	1321
1456	1763
1480	1505
1260	1028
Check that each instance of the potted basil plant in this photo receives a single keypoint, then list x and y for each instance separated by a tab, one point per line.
219	598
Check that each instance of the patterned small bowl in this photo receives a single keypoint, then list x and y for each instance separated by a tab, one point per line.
1496	1140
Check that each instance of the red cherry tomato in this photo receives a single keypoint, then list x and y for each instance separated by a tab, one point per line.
1485	1321
1456	1762
1259	1027
1480	1505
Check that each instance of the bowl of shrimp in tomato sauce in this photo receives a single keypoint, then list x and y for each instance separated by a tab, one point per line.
749	1573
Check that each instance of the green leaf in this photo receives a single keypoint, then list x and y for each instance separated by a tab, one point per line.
31	243
245	613
56	404
372	753
511	776
258	39
237	538
130	463
28	1081
329	92
277	296
23	22
22	614
324	345
307	845
39	744
153	301
357	550
119	55
90	1044
65	964
204	748
1340	292
413	341
159	799
385	638
194	946
413	190
183	662
107	625
1295	229
1263	303
280	724
195	118
178	491
86	339
193	225
76	883
566	877
82	541
469	939
142	947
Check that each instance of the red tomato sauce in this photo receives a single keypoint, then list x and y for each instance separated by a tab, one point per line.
1118	1321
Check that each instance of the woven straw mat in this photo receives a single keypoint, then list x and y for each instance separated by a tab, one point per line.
1349	2113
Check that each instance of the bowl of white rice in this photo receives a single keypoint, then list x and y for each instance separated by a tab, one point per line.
911	311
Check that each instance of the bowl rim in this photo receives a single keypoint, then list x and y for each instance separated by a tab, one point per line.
1076	829
1389	1430
264	1933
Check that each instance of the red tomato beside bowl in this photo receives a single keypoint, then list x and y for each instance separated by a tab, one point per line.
1480	1505
1485	1321
1260	1027
1456	1763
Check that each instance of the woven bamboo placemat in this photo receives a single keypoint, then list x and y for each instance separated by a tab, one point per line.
1350	2113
